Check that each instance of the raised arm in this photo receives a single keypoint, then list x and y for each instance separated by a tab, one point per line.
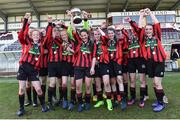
156	26
153	17
23	34
141	18
48	37
133	24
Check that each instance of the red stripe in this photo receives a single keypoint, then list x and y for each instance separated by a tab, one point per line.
83	60
155	55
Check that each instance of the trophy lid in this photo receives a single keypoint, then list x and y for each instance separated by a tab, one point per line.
75	10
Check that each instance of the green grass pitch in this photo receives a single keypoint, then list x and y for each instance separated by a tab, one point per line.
171	82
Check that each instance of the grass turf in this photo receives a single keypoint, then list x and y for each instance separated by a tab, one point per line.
9	104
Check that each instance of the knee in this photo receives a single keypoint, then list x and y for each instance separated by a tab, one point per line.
64	85
120	81
157	83
143	82
21	91
73	86
88	87
133	82
52	83
78	88
107	85
39	91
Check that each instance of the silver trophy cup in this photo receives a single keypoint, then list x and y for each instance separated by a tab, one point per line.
76	12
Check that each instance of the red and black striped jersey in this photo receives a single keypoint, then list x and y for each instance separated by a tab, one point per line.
125	51
67	55
102	50
134	47
84	52
115	49
30	51
54	46
44	56
152	47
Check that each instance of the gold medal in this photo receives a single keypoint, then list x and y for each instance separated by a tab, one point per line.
83	53
98	58
36	58
154	52
111	54
134	52
55	52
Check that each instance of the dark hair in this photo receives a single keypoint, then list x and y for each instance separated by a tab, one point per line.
149	24
111	29
83	30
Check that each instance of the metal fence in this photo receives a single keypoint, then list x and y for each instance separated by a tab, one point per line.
9	62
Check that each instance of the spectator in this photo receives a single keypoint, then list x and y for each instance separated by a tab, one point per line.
175	54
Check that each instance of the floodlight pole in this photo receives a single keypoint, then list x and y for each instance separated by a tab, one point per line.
35	11
176	5
156	6
125	5
5	19
108	7
70	4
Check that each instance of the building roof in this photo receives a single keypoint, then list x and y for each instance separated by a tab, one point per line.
19	7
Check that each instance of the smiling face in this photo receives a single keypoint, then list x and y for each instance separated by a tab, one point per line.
97	35
111	34
56	32
149	31
118	34
64	35
84	36
35	36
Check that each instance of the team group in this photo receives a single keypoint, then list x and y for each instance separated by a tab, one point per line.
108	55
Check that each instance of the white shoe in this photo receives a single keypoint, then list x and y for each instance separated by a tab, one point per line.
146	98
165	99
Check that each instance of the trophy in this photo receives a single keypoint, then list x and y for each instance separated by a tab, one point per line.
76	12
77	15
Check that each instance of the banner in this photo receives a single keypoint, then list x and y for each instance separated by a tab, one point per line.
9	42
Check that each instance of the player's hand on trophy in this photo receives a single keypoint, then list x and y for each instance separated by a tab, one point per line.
69	13
50	19
27	15
127	19
85	14
142	12
147	11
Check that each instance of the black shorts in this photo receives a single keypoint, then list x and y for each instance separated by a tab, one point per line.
97	71
81	72
155	69
124	68
67	69
136	64
54	69
101	69
115	69
27	72
43	72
